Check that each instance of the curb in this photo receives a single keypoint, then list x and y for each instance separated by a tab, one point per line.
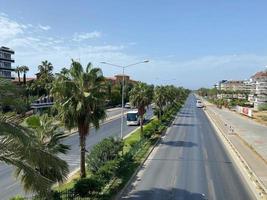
259	190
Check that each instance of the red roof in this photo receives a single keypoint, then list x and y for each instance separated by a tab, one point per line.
21	79
261	74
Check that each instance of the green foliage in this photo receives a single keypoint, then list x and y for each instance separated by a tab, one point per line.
108	170
86	186
80	100
12	97
36	164
263	107
140	97
18	198
104	151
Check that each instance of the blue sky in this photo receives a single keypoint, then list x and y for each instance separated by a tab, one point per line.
190	43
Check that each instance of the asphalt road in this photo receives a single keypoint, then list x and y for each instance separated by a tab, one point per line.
9	187
189	163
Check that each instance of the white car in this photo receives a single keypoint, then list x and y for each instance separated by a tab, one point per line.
127	105
199	104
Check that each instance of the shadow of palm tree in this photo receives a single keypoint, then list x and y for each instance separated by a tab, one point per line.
180	143
183	124
165	194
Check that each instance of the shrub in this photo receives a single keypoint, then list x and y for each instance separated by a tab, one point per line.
104	151
17	198
149	130
86	186
108	171
56	195
263	107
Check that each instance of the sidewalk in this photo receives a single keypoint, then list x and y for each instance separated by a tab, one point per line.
253	133
248	137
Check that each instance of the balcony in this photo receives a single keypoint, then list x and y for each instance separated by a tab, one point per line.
7	60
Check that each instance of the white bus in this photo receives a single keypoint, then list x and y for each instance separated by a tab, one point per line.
133	118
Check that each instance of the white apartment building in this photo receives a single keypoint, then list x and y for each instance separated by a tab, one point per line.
259	85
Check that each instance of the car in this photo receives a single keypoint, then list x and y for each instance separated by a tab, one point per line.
199	104
127	105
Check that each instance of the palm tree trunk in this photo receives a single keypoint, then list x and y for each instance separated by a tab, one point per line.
82	156
141	125
24	78
19	76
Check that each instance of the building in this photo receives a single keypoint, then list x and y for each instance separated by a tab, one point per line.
233	85
5	63
259	91
218	86
119	78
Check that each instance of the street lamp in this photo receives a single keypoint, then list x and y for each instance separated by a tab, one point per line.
122	95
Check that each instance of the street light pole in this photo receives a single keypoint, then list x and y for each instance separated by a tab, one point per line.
123	86
122	102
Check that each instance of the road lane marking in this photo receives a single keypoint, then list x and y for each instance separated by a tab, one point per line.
211	190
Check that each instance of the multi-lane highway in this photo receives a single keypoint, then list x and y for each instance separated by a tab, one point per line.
10	187
189	163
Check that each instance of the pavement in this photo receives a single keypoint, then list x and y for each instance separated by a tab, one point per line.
249	139
190	162
254	133
10	187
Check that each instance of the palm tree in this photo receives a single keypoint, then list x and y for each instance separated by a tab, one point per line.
24	69
80	98
45	77
18	70
37	165
45	67
160	99
140	97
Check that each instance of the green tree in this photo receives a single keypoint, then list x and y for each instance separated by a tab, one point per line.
80	98
160	99
45	77
24	69
18	70
12	97
45	67
37	167
140	97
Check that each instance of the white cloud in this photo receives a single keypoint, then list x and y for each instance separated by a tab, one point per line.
44	28
85	36
9	28
33	46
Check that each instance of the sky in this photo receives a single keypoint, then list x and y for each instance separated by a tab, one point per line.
188	43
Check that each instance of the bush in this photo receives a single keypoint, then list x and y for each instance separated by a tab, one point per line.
17	198
149	130
86	186
104	151
56	195
108	171
263	107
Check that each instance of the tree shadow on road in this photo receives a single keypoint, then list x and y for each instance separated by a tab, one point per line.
180	143
185	115
190	125
164	194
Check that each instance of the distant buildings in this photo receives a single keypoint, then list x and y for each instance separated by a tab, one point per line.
119	78
232	85
255	87
259	88
5	62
